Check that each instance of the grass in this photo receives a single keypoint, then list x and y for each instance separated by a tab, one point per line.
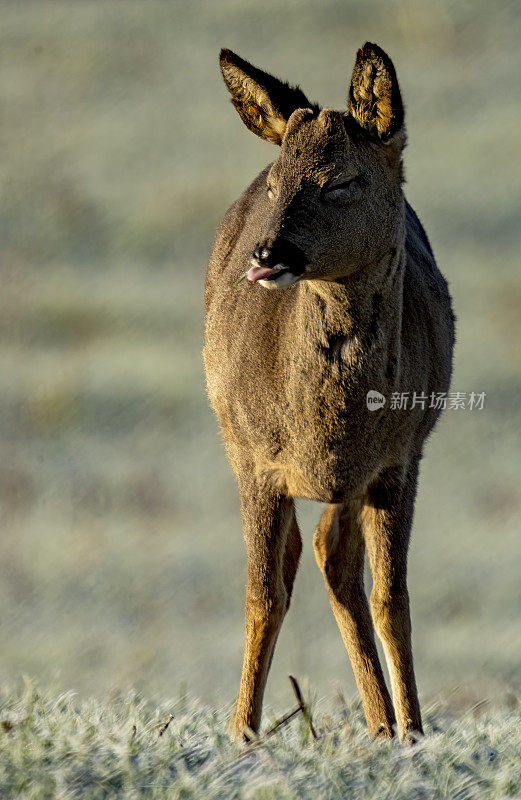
127	746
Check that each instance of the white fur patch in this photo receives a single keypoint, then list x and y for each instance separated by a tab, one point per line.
282	282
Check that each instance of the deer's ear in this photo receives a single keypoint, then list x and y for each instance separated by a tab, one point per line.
264	103
374	99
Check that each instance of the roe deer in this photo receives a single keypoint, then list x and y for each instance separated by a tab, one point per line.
358	305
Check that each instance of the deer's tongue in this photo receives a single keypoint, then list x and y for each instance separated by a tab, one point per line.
255	274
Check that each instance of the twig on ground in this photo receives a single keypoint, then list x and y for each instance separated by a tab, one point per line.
283	721
165	725
253	744
302	706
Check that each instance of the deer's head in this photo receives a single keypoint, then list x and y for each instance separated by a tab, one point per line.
333	200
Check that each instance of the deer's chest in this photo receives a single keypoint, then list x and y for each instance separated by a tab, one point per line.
297	411
317	438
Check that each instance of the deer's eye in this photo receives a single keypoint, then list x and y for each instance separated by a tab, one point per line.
270	192
340	188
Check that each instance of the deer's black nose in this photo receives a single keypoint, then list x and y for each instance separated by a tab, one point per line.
283	252
262	254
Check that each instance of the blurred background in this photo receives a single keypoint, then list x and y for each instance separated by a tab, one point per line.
121	553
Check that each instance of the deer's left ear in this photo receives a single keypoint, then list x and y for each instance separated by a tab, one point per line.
374	99
263	102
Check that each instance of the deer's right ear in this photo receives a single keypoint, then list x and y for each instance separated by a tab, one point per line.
264	103
374	99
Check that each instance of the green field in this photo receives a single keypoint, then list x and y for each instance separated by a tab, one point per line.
121	555
56	746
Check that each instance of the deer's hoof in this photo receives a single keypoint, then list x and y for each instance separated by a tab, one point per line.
383	732
411	736
240	732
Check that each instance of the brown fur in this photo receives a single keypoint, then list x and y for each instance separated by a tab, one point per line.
288	371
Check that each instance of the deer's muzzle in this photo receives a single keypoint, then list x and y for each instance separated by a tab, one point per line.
277	266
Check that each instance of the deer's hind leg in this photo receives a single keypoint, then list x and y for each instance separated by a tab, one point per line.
339	551
387	518
273	549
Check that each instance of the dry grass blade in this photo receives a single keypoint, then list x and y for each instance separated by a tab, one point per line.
240	280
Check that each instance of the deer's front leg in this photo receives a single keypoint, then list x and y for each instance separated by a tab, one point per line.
268	520
387	523
339	550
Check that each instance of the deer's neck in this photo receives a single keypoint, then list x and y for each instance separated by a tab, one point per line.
367	305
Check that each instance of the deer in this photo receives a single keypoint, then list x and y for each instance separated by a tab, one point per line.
321	289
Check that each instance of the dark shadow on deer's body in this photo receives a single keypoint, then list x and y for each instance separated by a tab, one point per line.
343	297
